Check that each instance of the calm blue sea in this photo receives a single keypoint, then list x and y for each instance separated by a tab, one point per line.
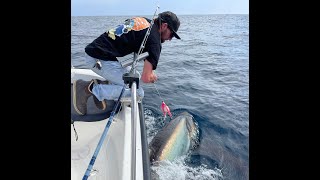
207	74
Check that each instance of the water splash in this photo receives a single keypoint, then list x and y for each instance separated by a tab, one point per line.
178	170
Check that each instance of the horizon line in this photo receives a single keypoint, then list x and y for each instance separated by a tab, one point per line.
177	14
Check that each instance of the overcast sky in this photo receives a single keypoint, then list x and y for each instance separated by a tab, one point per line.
148	7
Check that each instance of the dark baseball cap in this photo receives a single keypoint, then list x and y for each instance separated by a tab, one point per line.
172	20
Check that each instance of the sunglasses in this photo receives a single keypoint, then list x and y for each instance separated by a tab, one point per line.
171	35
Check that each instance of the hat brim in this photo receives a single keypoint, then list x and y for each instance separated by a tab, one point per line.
176	35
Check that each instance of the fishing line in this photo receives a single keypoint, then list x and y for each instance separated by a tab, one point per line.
157	91
165	109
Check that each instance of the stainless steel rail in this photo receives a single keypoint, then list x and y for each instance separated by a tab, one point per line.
133	128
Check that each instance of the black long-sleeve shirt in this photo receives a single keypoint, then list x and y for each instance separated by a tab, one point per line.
125	39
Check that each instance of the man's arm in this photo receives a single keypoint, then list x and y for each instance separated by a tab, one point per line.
148	75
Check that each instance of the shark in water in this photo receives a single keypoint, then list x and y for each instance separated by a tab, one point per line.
175	139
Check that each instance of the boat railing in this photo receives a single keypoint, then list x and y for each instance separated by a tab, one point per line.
133	128
128	62
132	79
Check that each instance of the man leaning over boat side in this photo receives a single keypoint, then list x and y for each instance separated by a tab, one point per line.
101	57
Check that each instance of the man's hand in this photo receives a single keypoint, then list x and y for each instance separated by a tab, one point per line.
148	75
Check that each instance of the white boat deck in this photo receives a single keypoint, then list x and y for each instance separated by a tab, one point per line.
114	158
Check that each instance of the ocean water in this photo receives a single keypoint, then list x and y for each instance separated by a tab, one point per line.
207	74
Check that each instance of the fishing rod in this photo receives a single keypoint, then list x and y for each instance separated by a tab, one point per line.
135	61
103	136
138	56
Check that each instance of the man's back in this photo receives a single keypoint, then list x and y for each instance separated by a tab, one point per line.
125	39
